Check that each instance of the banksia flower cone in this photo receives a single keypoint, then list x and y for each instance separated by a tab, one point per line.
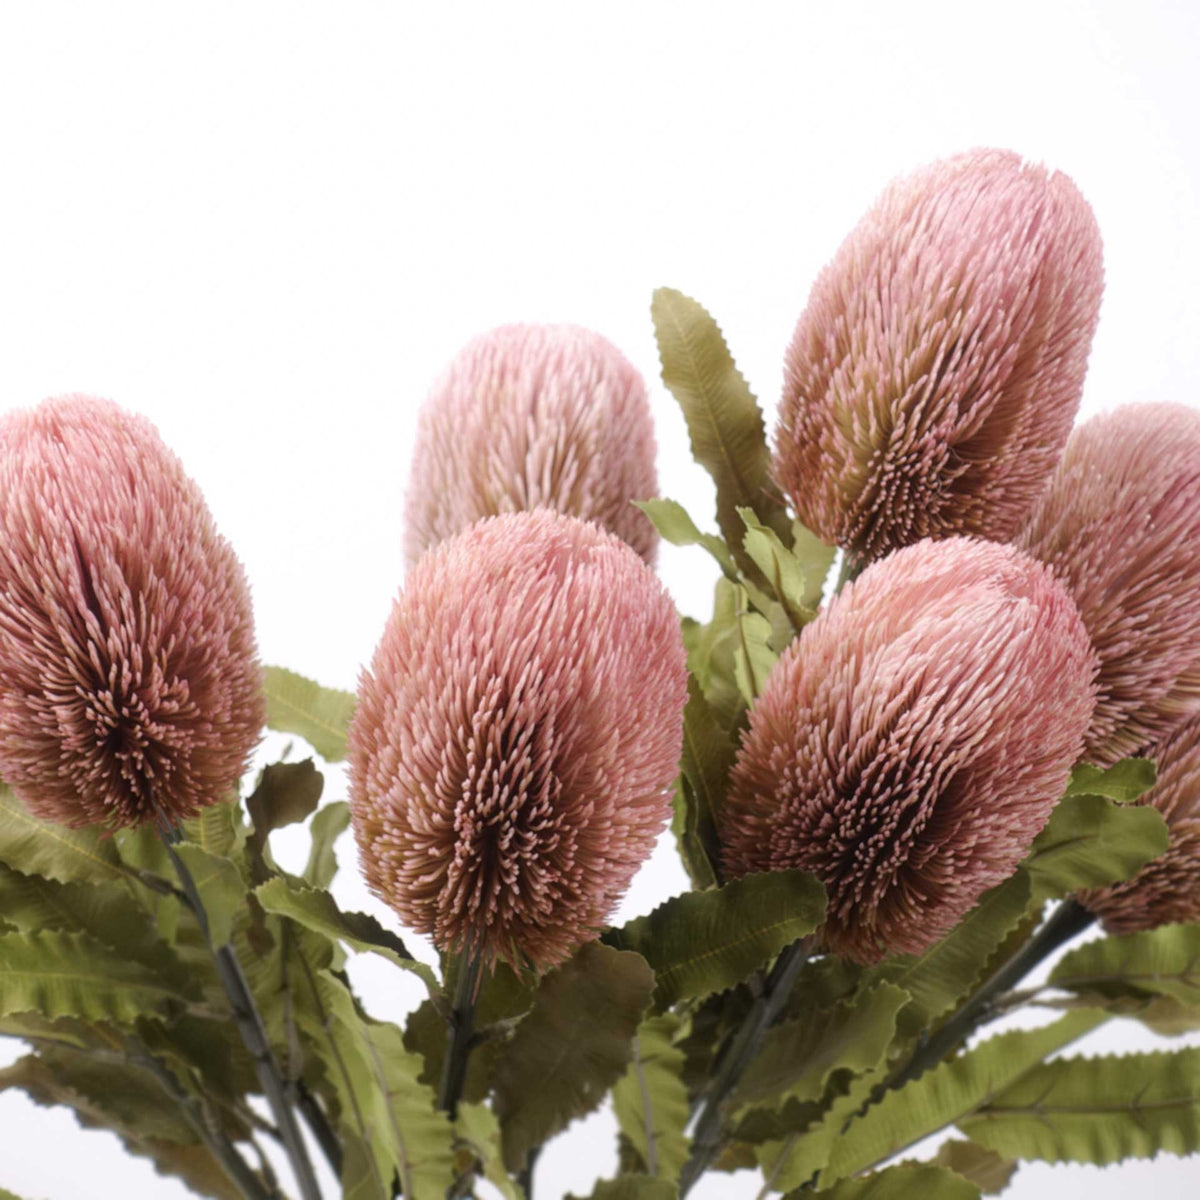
129	678
913	741
1167	891
934	376
1120	526
531	416
516	736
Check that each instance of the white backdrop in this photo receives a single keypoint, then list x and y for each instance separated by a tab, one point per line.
268	226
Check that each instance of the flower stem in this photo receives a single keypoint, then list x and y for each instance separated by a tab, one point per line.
249	1022
462	1033
739	1050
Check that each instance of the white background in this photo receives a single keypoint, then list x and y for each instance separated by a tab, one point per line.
268	227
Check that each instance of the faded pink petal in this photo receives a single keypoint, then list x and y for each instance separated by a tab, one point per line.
530	416
129	677
1167	891
934	376
1120	526
516	736
909	746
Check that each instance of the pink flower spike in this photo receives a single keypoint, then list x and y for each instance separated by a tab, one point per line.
516	736
934	375
531	416
909	746
129	677
1120	526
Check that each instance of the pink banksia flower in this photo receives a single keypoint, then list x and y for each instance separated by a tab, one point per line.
516	736
909	746
934	375
1166	891
531	416
129	677
1120	526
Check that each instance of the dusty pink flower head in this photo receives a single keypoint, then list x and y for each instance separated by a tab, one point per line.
129	676
531	416
932	380
1166	891
1120	526
909	746
516	736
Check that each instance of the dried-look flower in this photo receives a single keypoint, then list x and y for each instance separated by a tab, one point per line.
516	736
1166	891
909	746
129	677
934	376
1120	526
530	416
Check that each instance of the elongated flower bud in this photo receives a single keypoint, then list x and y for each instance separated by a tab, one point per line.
1120	526
129	678
531	416
934	376
516	736
909	746
1166	891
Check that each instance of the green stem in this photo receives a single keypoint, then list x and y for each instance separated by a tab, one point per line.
461	1039
734	1057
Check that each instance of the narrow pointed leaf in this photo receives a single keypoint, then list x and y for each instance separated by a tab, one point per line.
704	942
708	754
753	656
320	715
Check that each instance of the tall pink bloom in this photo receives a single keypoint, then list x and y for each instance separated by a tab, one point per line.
529	416
516	736
933	378
129	677
1120	526
1167	890
908	747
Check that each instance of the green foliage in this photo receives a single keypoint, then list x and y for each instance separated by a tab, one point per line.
708	754
328	824
711	658
753	656
320	715
1123	782
676	526
286	794
1096	1110
651	1101
571	1048
703	942
725	425
220	886
989	1171
902	1182
792	582
67	855
478	1131
631	1187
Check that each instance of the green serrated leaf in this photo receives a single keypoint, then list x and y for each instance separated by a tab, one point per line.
320	715
286	794
318	911
219	829
708	754
725	424
36	847
989	1171
651	1101
783	571
1096	1110
477	1128
1123	782
798	1056
630	1187
329	823
220	886
73	975
712	659
704	942
949	1094
902	1182
572	1047
672	521
753	656
815	558
1091	841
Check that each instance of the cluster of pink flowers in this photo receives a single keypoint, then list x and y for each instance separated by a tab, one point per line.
1025	601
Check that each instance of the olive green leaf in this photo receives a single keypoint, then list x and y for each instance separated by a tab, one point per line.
220	886
478	1130
320	715
725	424
329	823
572	1047
902	1182
703	942
1095	1110
989	1171
630	1187
672	521
785	574
753	656
36	847
1123	782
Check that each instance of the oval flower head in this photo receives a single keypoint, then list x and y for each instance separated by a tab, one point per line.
933	378
1167	890
531	416
909	746
516	736
129	676
1120	526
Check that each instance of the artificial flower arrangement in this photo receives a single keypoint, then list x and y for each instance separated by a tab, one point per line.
893	806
